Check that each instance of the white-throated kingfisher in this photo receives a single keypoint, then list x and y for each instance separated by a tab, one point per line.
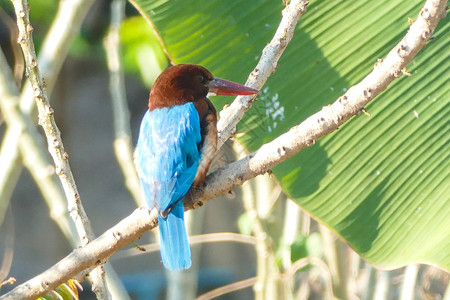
176	145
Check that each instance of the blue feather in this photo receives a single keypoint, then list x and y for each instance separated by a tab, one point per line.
175	251
167	158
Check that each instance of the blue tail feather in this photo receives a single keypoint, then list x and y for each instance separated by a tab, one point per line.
175	249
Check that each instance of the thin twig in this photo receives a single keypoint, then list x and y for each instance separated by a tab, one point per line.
55	144
8	244
224	179
336	255
217	237
222	237
320	264
11	167
229	288
230	116
122	143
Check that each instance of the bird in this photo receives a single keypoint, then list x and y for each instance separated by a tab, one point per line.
176	144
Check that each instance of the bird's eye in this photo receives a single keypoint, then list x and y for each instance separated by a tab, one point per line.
200	78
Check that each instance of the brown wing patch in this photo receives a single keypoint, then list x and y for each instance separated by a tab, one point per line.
208	146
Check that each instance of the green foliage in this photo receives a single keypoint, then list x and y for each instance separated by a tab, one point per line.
303	246
245	223
381	182
43	11
81	47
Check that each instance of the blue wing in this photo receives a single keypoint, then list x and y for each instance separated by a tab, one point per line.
167	158
167	153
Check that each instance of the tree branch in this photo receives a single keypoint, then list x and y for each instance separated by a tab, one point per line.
229	288
55	144
216	237
230	116
259	162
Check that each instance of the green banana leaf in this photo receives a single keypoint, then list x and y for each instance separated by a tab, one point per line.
381	182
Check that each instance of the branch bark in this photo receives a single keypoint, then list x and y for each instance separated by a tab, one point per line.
230	116
55	144
259	162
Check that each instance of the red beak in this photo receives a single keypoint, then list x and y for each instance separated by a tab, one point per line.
219	86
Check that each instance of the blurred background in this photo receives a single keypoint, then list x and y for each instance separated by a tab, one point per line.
31	242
